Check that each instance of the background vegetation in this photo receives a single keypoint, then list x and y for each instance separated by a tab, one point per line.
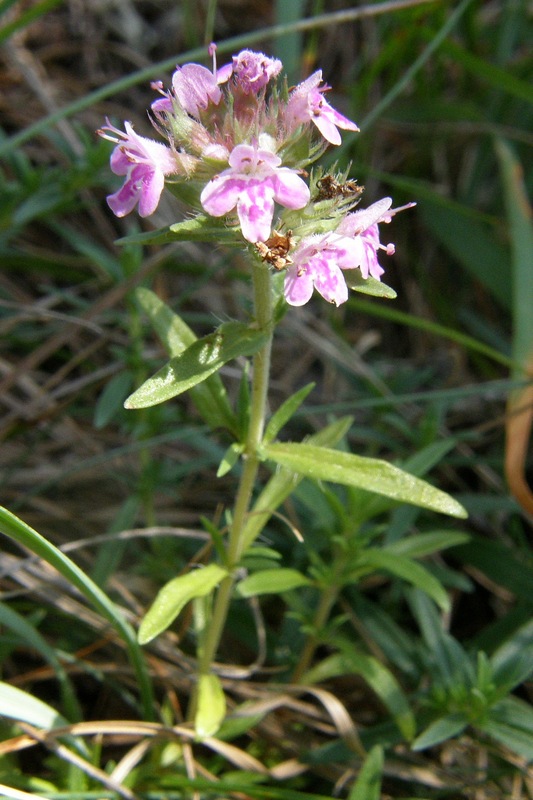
402	697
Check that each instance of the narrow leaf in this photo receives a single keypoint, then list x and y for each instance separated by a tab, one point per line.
172	598
408	570
283	482
321	463
271	581
211	706
20	705
210	397
203	358
424	544
197	229
229	459
285	412
368	783
519	421
512	663
441	730
32	637
369	285
20	532
351	661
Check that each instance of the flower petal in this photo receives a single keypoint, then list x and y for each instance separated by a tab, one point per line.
289	189
152	184
298	287
255	208
220	195
329	280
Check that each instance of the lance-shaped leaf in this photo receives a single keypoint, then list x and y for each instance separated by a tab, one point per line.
198	229
271	581
372	559
202	359
374	475
353	661
210	706
209	397
369	777
369	285
284	482
175	595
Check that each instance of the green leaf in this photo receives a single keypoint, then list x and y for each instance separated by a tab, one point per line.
351	661
32	637
200	360
408	570
20	532
211	706
499	563
210	397
111	401
512	663
473	244
285	412
368	783
450	662
441	730
197	229
510	722
321	463
424	544
229	459
520	226
174	595
271	581
20	705
283	482
369	285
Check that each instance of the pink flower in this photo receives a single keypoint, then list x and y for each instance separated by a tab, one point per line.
306	104
253	70
144	163
318	261
253	181
194	86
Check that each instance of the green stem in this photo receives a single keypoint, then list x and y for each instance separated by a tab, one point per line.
260	380
328	598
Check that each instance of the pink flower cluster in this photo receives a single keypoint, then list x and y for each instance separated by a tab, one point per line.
236	140
319	260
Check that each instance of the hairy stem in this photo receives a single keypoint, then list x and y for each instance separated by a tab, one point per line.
260	381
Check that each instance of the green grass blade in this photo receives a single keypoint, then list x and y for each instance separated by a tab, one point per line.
18	530
520	227
32	637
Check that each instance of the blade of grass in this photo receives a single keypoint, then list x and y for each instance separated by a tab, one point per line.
18	530
520	406
27	18
417	64
227	46
434	328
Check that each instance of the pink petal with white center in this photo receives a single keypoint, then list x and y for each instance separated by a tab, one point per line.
329	280
124	200
256	209
220	195
153	183
298	287
251	159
